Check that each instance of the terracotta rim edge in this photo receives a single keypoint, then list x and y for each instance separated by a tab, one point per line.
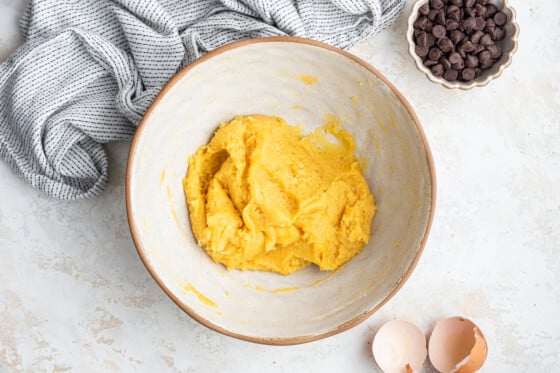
284	340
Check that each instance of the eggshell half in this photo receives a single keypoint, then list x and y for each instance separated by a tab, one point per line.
399	347
457	346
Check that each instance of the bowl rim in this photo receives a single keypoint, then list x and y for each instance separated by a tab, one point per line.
185	307
458	84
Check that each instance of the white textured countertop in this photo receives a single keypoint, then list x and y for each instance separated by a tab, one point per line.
74	295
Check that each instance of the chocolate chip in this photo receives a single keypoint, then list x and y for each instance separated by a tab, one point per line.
417	32
495	52
486	40
452	9
455	16
435	53
454	13
454	57
500	18
440	17
439	31
429	63
445	62
478	72
429	26
482	2
490	23
468	74
437	4
424	9
475	37
479	23
450	74
421	22
437	70
445	44
459	65
456	2
422	39
456	36
491	9
484	56
500	34
491	30
431	40
432	15
470	3
478	48
467	46
471	61
471	12
469	24
480	10
421	51
487	64
451	25
462	53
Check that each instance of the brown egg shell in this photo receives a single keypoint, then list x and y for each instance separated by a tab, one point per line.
457	346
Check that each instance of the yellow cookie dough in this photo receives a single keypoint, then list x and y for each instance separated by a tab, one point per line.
262	196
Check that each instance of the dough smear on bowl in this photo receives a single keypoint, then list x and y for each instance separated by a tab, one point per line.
262	196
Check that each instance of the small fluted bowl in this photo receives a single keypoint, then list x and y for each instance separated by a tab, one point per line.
508	46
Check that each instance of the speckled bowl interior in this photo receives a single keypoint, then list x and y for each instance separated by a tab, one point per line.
508	46
265	76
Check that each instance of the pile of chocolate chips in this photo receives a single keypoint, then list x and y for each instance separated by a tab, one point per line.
456	38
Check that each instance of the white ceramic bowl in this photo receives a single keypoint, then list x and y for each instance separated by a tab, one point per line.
265	76
508	46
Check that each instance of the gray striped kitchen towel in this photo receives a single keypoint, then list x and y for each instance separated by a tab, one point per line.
89	69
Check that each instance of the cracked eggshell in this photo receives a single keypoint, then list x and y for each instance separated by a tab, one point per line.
399	347
457	346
